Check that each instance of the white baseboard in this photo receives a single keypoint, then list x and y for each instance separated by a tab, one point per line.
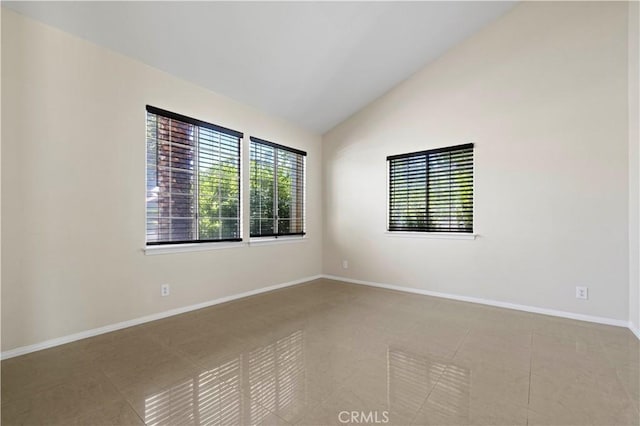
137	321
525	308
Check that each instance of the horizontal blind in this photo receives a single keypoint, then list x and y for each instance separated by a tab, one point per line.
408	193
432	191
277	189
262	211
193	180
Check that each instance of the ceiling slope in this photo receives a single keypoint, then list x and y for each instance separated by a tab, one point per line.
311	63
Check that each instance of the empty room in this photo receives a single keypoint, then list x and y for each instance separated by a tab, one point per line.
320	213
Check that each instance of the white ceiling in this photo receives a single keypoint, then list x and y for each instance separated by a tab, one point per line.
312	63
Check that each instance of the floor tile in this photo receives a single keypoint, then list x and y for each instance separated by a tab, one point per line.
142	363
560	399
328	352
630	379
115	413
38	371
452	409
62	403
481	381
494	351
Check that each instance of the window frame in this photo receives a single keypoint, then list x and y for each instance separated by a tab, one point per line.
425	233
280	236
189	245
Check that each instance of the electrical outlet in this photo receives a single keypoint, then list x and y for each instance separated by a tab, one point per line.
345	264
582	292
164	290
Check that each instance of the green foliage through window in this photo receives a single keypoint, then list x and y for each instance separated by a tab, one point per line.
277	190
432	191
193	181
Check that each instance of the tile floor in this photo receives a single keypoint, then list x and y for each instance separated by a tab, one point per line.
326	352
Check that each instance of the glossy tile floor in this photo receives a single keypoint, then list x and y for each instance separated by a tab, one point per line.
333	353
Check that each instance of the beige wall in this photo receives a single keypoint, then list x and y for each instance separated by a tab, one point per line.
542	93
73	170
634	166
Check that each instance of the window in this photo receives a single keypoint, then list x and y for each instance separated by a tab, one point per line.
277	189
193	180
432	191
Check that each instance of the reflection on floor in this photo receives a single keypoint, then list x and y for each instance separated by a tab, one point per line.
275	374
334	353
410	377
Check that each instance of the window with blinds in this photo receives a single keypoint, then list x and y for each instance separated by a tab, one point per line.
193	180
432	191
277	189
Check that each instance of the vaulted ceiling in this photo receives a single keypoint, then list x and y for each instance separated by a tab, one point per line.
312	63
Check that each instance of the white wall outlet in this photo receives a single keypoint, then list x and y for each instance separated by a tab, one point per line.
582	292
164	290
345	264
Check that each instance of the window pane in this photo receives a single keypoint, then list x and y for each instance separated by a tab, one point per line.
407	195
175	179
152	179
432	191
277	190
262	210
193	181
